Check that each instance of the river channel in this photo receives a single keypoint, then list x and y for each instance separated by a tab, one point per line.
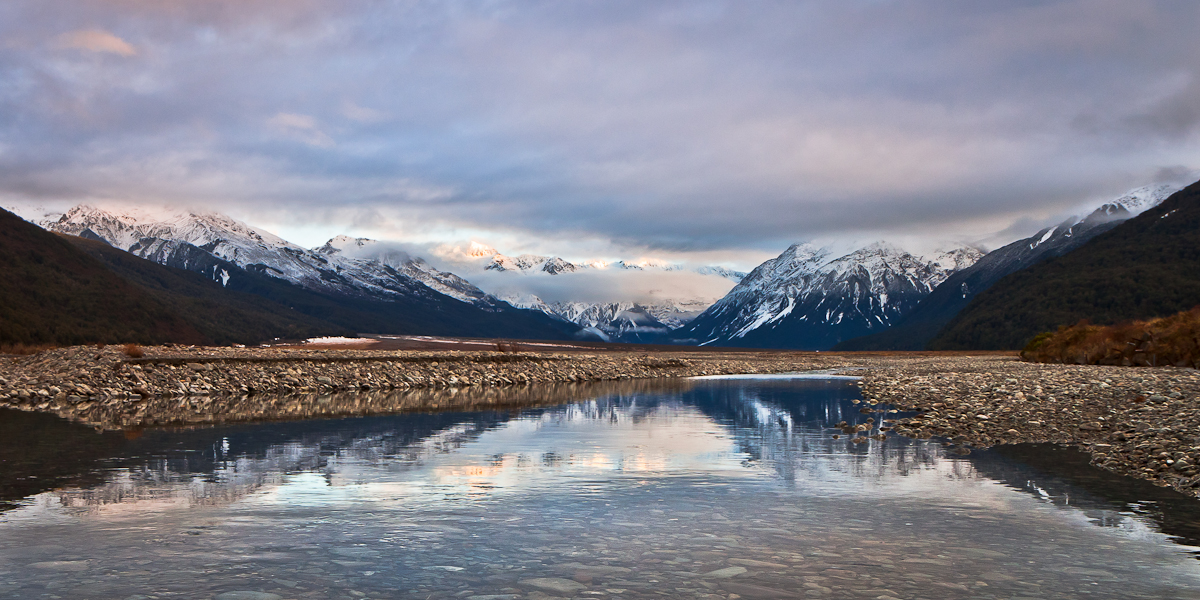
704	488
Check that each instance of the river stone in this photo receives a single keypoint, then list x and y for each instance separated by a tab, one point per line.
926	561
996	576
762	564
747	590
554	584
593	569
61	565
1087	572
983	552
247	595
355	552
726	573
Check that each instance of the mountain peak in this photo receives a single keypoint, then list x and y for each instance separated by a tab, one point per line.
127	227
478	250
341	243
1141	199
1128	205
345	265
812	297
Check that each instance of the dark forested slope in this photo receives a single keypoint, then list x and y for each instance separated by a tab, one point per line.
1147	267
222	315
52	293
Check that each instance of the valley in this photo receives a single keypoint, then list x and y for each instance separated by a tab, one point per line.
520	300
843	296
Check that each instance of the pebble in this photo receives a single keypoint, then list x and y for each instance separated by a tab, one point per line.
726	573
248	595
554	584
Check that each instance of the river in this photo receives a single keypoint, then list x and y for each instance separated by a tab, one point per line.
704	488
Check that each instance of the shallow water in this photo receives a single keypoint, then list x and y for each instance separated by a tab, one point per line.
710	489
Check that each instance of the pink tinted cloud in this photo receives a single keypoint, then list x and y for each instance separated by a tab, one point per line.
96	40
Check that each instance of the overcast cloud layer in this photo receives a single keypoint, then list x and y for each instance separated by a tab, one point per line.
692	128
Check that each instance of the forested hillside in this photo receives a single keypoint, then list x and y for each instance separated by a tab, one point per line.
1144	268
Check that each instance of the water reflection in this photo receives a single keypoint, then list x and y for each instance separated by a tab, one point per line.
1064	477
698	489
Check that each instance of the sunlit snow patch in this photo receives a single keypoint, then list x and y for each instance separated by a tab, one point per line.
799	375
338	341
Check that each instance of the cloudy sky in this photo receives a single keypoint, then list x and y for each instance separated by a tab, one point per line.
715	132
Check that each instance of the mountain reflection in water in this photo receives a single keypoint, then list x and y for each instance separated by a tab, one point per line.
772	427
686	443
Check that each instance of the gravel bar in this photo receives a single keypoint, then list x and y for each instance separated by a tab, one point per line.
1138	421
186	385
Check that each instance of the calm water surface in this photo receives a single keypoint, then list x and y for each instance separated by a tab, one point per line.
709	489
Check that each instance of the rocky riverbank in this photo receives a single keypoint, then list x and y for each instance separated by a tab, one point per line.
174	385
1143	422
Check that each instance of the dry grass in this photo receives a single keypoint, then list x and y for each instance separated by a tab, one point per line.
1173	340
25	349
133	351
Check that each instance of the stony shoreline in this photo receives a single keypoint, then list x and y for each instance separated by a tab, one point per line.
1143	422
1137	421
185	385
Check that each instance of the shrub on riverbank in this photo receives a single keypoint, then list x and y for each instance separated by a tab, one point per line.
1173	340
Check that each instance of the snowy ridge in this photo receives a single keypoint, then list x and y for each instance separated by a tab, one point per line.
378	261
812	297
618	321
1139	200
611	320
344	266
554	265
531	262
1127	206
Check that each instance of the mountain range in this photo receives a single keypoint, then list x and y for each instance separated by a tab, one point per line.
343	283
165	238
206	276
923	322
609	320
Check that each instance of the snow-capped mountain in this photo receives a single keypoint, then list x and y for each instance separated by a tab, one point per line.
1139	200
814	297
356	268
729	274
530	262
662	307
380	262
936	310
614	321
618	321
553	265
